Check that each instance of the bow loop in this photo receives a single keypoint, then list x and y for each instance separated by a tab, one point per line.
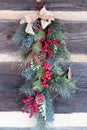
46	19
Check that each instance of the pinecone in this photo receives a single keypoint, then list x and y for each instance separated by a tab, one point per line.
40	99
36	25
39	58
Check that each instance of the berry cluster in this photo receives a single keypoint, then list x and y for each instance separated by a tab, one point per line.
31	104
46	46
47	75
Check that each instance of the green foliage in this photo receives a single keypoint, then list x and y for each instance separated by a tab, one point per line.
40	72
42	124
37	85
59	64
57	70
40	35
20	34
42	109
28	41
33	65
57	33
63	53
27	73
49	106
60	83
63	86
54	48
26	88
36	47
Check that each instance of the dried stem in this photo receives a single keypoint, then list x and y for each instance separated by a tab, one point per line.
55	96
27	61
39	4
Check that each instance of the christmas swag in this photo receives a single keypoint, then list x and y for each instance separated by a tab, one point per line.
45	65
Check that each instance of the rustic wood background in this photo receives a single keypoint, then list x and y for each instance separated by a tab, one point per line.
76	40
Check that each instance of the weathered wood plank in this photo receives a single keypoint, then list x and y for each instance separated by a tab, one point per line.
66	5
10	83
7	29
17	4
75	104
75	36
76	40
51	5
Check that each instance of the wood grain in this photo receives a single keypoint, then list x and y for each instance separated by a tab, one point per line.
74	104
10	81
76	41
64	5
75	36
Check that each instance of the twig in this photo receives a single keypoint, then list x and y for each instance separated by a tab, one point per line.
55	96
27	61
39	4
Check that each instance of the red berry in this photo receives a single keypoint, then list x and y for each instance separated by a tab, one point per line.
49	78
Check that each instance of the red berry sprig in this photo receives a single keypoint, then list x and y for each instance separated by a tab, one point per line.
47	75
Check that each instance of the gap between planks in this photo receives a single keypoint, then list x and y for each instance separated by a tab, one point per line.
80	16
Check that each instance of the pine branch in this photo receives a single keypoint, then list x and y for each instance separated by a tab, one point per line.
40	72
28	73
59	82
40	35
37	84
20	34
49	106
36	47
27	88
63	86
57	33
28	41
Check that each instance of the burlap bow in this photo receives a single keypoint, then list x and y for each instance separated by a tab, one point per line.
46	19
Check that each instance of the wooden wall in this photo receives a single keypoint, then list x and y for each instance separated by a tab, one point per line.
76	40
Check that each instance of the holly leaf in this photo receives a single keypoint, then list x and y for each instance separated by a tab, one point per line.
57	70
40	35
40	72
37	85
36	47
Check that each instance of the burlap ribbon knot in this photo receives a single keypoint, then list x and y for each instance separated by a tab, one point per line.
46	19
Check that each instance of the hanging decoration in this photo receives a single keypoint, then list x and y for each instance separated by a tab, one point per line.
45	64
46	19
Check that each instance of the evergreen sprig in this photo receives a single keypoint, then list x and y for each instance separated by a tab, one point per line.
26	88
20	34
55	64
49	106
60	83
28	41
27	73
36	47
